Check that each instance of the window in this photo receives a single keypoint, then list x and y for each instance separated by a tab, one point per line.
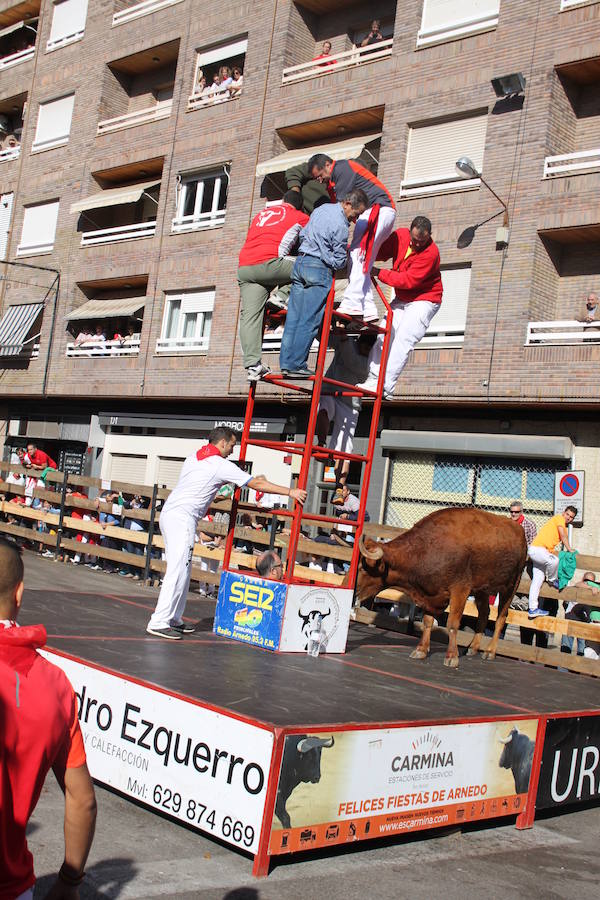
201	200
433	151
186	322
447	328
6	204
68	23
128	467
451	477
449	20
54	123
39	229
206	89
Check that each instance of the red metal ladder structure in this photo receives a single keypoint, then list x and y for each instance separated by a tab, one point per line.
309	451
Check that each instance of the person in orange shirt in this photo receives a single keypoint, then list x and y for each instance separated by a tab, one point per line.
40	730
542	556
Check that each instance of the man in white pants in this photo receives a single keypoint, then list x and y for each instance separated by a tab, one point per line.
371	229
202	475
416	277
543	559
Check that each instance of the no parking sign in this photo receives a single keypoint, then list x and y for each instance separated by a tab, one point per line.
568	491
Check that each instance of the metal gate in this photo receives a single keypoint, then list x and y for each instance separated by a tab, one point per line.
420	483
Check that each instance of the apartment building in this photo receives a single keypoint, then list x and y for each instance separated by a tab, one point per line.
127	186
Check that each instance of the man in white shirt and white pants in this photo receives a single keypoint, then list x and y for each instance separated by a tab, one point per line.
202	475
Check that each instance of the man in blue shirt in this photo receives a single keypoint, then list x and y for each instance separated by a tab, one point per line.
323	249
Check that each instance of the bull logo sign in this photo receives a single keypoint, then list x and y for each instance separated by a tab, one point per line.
303	607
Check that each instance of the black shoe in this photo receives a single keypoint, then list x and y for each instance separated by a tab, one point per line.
171	634
185	627
300	374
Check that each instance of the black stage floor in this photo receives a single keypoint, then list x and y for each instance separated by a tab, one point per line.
374	682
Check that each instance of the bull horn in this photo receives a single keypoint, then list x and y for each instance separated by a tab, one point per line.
505	740
372	555
312	743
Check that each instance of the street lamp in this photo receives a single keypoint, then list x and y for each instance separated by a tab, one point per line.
466	169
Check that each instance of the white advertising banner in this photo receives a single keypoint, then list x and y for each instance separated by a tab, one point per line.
344	786
203	767
304	603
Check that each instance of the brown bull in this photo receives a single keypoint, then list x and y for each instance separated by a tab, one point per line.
442	559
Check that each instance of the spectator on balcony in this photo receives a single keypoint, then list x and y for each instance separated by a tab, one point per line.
264	263
323	250
9	141
38	459
86	338
235	88
374	36
225	78
371	230
216	91
591	308
325	58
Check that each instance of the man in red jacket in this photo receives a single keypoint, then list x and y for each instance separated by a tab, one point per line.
415	274
38	459
265	263
372	228
39	730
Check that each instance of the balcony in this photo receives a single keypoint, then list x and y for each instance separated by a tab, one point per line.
201	101
572	4
10	153
182	345
15	58
129	347
118	234
581	163
160	110
565	332
137	10
346	60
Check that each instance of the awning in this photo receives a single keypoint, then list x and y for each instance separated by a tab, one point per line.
16	323
107	309
348	149
114	196
462	443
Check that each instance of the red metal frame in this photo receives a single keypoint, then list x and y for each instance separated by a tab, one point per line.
307	448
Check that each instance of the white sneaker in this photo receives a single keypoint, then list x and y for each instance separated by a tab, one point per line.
369	384
255	373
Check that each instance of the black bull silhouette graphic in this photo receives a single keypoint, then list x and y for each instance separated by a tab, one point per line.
301	762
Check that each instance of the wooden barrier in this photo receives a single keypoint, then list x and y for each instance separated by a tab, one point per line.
62	526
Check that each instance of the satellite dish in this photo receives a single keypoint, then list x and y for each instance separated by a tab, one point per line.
465	238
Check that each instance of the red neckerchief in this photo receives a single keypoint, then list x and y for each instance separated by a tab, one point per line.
521	519
368	238
331	187
205	452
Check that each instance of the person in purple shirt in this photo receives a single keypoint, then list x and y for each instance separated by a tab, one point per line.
323	249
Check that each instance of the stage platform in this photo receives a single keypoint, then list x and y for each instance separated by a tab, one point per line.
276	753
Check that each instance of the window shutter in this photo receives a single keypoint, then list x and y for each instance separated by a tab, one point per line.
39	228
68	20
198	302
128	467
54	122
224	51
447	19
169	469
452	315
6	204
434	149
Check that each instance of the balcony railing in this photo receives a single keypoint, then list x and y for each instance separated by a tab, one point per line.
182	345
141	9
200	101
446	339
196	223
10	153
128	347
572	164
451	31
57	43
345	60
15	58
120	233
445	184
562	332
160	110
